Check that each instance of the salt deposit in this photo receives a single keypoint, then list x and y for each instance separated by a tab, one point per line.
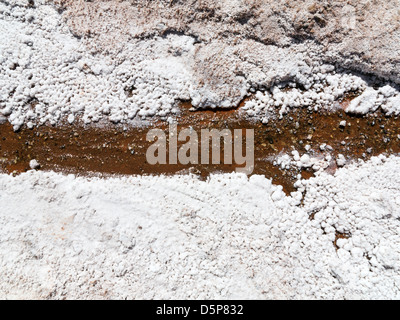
232	236
178	237
54	71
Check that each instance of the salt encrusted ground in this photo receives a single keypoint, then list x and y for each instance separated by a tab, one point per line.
178	237
229	237
57	64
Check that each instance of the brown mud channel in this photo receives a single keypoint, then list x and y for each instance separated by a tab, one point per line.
114	150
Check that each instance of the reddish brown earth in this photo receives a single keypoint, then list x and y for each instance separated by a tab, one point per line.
107	149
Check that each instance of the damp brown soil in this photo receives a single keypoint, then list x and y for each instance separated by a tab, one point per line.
114	150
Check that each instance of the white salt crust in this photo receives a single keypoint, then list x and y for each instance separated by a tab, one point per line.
177	237
47	74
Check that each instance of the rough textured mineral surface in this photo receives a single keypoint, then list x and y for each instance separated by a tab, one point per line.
254	42
121	60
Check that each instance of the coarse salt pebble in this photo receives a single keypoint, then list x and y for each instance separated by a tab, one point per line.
71	119
34	164
305	160
341	160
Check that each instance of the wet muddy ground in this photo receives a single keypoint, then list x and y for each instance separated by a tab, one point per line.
111	149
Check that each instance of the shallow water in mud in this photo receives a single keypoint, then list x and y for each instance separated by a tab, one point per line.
113	149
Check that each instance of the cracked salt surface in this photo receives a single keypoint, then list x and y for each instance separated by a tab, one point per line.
178	237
